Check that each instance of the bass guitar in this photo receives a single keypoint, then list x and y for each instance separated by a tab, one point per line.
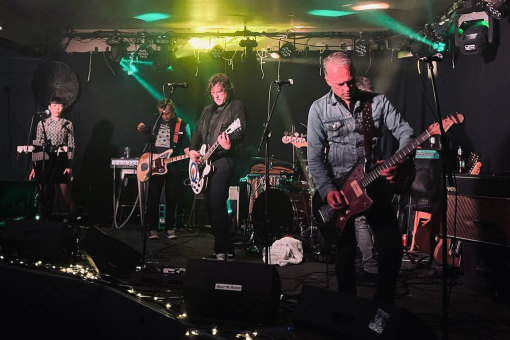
198	172
354	189
159	162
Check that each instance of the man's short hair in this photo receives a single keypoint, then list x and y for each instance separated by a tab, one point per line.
163	103
338	58
224	80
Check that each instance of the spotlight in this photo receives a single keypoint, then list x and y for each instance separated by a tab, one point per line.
248	44
473	32
361	47
216	52
144	52
287	50
118	48
496	8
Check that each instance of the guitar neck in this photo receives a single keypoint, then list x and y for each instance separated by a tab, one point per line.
211	150
175	159
397	157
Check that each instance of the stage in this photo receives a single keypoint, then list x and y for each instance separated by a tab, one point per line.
99	288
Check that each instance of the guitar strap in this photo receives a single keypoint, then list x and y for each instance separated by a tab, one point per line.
368	128
176	130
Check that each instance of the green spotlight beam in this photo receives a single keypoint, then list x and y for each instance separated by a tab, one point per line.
151	17
329	13
384	20
148	87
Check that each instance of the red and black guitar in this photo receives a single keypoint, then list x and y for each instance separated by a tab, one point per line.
354	189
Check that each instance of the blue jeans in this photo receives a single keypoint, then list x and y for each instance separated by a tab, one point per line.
365	241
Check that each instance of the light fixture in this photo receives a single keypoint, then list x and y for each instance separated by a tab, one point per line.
361	47
496	8
145	51
216	52
473	32
287	50
118	48
248	44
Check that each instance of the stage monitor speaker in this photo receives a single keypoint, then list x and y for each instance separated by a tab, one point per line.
36	240
17	198
108	255
480	211
232	290
426	187
326	314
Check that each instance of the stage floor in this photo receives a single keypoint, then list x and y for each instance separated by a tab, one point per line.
477	310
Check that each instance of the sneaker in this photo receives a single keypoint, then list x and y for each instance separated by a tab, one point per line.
170	234
231	257
221	257
153	235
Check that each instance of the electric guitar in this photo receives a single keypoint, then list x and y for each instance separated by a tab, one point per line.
198	172
159	162
354	189
295	139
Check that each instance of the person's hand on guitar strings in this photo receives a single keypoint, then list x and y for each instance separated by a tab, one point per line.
336	200
195	156
224	140
391	172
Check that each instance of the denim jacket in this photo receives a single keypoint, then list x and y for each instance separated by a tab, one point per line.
335	141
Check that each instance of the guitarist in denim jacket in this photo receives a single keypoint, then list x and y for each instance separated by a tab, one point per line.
169	132
215	118
335	124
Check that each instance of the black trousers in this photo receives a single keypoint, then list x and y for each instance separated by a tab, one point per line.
388	244
216	196
172	182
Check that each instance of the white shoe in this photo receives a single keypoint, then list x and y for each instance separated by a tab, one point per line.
170	234
153	235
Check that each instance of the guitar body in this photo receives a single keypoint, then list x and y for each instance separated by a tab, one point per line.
159	165
332	222
198	173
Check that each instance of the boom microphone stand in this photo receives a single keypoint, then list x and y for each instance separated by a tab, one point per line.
266	134
445	143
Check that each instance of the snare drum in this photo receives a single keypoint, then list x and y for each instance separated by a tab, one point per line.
288	214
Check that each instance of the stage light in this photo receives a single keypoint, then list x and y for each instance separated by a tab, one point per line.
118	48
248	44
287	50
496	8
217	52
144	52
473	32
361	47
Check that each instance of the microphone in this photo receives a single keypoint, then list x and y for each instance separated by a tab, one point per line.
436	57
183	85
45	112
284	82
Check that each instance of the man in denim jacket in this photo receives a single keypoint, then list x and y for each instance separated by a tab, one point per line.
335	147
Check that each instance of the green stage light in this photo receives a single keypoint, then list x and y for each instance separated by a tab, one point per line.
151	17
329	13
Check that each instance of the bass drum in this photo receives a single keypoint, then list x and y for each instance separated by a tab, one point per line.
288	214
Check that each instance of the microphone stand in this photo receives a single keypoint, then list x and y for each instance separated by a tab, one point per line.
443	200
265	138
150	146
43	185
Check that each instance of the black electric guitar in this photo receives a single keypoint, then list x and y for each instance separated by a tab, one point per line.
159	162
198	172
354	189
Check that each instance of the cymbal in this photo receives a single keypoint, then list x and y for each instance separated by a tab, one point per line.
55	78
271	159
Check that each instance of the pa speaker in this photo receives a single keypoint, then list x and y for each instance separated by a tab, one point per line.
108	255
426	187
232	290
327	314
38	240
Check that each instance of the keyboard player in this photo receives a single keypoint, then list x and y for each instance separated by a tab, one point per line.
52	158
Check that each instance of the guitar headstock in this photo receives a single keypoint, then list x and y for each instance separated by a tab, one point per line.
236	124
447	123
297	140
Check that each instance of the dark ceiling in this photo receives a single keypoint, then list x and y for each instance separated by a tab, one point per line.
30	22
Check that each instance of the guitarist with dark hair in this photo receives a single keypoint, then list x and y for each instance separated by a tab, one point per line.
348	122
169	133
213	122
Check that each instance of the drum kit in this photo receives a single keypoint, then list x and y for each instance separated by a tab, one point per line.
288	197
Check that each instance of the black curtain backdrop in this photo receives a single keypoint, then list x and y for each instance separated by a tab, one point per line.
111	103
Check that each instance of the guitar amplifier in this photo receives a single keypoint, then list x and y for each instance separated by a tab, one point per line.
481	210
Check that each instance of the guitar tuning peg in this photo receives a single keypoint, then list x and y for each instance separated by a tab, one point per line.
296	134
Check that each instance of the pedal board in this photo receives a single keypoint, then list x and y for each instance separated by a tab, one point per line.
158	275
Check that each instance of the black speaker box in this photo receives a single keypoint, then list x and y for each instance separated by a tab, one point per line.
325	314
232	290
38	240
108	255
426	187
